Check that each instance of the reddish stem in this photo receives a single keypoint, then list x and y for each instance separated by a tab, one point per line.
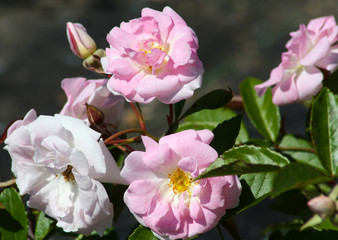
139	116
112	137
170	117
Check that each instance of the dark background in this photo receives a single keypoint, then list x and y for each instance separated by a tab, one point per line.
237	38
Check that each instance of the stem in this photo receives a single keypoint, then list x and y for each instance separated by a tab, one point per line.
7	183
122	133
125	141
170	117
302	149
139	116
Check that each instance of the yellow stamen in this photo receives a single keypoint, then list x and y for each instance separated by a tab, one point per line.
180	181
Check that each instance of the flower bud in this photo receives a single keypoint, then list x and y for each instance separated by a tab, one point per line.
80	42
322	205
93	62
95	116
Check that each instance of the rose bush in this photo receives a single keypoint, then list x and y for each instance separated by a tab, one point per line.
310	49
59	162
80	91
162	195
154	56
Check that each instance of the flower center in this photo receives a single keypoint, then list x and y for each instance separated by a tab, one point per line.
180	181
68	174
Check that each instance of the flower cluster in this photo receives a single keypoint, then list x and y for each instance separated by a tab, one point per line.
311	50
62	161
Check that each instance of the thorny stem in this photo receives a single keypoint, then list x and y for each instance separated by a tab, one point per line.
7	183
302	149
139	116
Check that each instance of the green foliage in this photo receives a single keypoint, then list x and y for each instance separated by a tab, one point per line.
142	233
14	207
225	134
262	112
324	129
212	100
209	119
297	175
301	151
43	226
245	159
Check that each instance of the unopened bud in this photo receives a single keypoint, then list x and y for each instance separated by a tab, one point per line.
80	42
322	205
93	62
95	116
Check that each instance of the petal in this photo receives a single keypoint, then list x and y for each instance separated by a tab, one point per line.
120	39
139	194
174	16
285	92
150	85
309	82
275	77
318	52
330	61
163	20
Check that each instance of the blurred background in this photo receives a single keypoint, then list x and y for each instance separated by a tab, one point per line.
237	38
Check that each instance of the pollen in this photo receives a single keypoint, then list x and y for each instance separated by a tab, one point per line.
68	174
180	181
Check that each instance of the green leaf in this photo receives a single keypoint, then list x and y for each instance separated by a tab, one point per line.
43	226
261	184
297	175
142	233
245	159
324	129
305	157
209	119
326	225
225	134
7	222
262	112
255	188
212	100
11	200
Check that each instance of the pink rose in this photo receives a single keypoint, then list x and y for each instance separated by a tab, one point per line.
162	195
81	44
93	92
154	56
59	162
299	77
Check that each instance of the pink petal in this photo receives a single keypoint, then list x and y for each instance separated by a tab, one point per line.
308	83
319	51
139	195
164	21
150	85
120	39
330	61
174	16
275	77
285	92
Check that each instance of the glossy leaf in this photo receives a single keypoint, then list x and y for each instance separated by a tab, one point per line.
246	159
209	119
262	112
297	175
43	226
225	134
303	155
142	233
212	100
324	129
11	201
